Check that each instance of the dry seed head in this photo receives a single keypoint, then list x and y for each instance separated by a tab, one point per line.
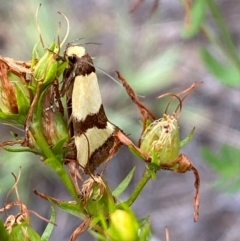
93	188
162	138
15	220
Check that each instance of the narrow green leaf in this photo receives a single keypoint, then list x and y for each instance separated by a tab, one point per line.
145	229
197	17
98	236
71	207
21	149
135	152
48	230
124	184
58	148
228	75
187	139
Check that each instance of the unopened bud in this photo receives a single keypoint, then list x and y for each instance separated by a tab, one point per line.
123	226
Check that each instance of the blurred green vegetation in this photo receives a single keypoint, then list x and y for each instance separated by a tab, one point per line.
135	54
223	62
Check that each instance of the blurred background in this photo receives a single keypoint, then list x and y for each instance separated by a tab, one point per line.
160	47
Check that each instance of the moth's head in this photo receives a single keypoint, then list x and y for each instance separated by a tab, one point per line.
74	52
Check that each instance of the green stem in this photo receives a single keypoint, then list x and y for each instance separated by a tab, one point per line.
51	160
145	178
225	33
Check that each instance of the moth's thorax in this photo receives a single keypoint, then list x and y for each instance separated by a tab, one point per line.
76	50
86	97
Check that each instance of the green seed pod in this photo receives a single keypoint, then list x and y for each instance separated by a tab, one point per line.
123	226
161	141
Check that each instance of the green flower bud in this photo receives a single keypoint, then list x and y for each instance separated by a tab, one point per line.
123	226
161	141
46	69
14	94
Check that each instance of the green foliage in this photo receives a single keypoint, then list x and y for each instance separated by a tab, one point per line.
196	20
48	230
228	74
223	62
145	229
226	163
124	184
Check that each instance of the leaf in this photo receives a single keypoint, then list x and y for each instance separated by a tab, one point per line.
58	147
22	149
187	139
228	75
48	230
98	236
227	164
197	16
135	152
71	207
145	229
124	184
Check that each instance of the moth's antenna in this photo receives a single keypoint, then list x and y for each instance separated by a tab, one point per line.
38	26
93	43
73	41
67	33
108	75
58	33
18	128
112	78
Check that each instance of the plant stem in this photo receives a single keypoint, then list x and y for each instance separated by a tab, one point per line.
51	160
145	178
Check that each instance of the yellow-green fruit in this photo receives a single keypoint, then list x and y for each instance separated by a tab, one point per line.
123	226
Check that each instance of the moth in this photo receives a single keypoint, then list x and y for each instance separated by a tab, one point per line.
94	135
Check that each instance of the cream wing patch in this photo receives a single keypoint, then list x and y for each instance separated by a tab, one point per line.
86	98
92	140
